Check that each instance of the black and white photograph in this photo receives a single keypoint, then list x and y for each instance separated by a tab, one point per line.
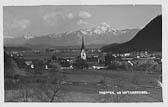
83	53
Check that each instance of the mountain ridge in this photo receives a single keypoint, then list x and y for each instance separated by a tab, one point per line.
149	38
101	34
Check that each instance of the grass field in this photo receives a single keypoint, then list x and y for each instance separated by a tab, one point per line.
85	85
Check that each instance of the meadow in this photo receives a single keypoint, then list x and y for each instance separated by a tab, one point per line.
84	86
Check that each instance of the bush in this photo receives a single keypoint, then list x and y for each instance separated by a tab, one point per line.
11	83
148	66
55	67
119	65
81	64
139	65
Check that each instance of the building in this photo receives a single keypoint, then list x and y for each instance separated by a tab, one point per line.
83	53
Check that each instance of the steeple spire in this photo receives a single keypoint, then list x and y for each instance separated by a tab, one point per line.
82	44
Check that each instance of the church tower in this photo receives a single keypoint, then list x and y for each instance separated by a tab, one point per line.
83	53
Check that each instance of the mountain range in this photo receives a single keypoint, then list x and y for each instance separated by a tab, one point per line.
101	34
147	39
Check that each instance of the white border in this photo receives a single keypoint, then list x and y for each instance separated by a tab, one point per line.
164	4
78	2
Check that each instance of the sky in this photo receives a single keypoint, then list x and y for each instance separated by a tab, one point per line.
41	20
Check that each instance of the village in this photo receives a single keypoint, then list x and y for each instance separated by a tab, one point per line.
93	58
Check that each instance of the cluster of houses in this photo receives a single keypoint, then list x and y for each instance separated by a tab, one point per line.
96	60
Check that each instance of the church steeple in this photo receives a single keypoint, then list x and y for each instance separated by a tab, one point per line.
82	44
83	53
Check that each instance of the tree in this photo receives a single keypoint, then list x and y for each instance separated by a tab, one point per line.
39	64
108	59
81	64
65	63
54	57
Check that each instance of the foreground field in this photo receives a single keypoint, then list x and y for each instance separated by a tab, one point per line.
86	85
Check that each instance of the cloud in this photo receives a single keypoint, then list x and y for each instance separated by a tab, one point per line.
51	15
82	22
15	27
70	15
54	18
10	37
20	24
84	14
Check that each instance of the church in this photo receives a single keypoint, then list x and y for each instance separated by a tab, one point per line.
83	53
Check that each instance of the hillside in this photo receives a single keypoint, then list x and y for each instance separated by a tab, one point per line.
10	67
17	48
149	38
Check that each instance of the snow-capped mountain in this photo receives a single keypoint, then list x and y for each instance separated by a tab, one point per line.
29	36
98	30
101	34
104	27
